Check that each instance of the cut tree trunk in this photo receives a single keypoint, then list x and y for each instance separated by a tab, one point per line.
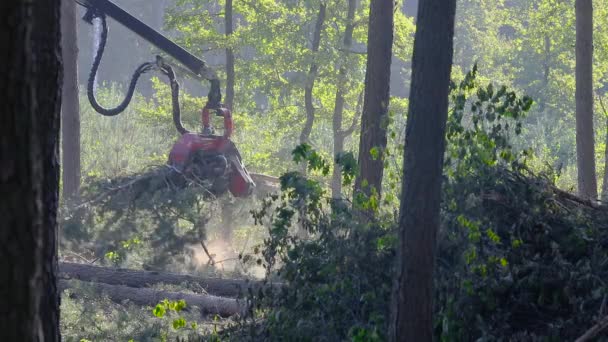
265	184
207	304
70	109
30	99
140	279
376	100
585	143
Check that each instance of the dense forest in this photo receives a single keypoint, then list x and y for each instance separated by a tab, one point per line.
357	170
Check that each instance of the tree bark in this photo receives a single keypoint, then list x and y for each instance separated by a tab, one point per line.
229	57
312	75
339	134
137	278
208	305
585	143
412	315
605	179
376	100
70	111
227	209
29	172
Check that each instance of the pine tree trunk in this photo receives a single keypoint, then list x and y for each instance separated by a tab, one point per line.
70	111
412	316
339	134
29	172
376	100
585	150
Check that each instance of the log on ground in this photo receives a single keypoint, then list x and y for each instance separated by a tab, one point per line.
207	304
140	278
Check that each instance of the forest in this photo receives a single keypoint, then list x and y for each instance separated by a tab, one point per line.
304	170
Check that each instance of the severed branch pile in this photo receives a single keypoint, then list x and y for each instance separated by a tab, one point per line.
521	258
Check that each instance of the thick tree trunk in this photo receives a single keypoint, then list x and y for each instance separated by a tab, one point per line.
412	317
137	278
229	57
339	134
585	150
312	75
29	171
605	179
207	304
377	94
70	110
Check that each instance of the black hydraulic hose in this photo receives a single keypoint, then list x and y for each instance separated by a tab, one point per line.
143	68
177	118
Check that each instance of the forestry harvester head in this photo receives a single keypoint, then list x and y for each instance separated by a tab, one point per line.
205	157
212	158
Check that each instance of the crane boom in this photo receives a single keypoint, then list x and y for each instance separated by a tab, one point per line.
193	63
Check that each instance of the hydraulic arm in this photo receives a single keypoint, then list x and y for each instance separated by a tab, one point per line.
193	63
202	157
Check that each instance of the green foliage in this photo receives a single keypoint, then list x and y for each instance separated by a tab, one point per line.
517	258
146	219
332	292
88	317
124	144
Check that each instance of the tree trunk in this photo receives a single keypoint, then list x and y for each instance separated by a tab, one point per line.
70	111
339	134
29	172
207	304
605	182
376	100
412	316
312	75
229	58
139	278
585	150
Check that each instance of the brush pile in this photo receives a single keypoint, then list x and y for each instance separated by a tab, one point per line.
520	259
157	212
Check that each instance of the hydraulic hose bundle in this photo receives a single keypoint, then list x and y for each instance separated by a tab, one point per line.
213	98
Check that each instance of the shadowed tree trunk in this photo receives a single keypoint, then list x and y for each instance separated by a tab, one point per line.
605	182
339	133
70	110
412	316
585	150
312	75
377	93
29	170
227	212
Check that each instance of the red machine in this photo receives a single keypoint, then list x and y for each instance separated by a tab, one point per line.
213	158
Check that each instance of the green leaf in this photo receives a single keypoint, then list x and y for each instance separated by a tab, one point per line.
179	323
159	311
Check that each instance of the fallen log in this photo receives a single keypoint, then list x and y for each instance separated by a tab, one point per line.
265	184
140	278
594	330
207	304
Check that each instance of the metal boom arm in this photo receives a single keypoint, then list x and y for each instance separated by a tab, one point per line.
193	63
